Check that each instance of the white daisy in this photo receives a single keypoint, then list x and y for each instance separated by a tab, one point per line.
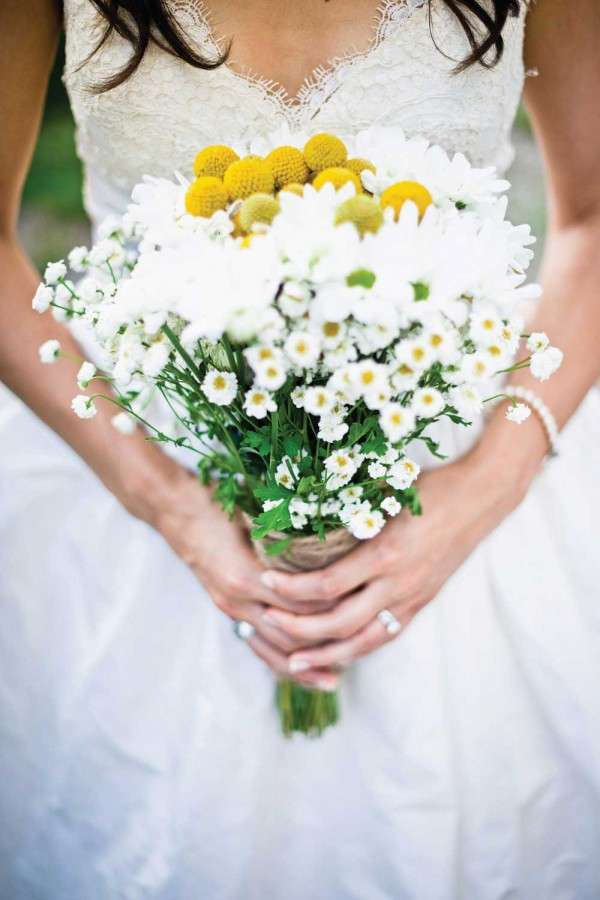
302	348
258	403
391	506
396	421
467	401
366	523
545	363
477	366
49	351
42	298
220	388
537	341
427	403
271	375
518	412
376	470
402	473
83	407
55	271
318	401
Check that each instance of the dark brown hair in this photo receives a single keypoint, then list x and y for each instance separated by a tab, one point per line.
141	22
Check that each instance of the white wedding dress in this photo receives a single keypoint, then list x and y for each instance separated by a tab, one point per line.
140	755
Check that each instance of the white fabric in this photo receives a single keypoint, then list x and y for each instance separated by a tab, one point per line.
139	748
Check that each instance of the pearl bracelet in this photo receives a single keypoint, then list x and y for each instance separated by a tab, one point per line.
541	410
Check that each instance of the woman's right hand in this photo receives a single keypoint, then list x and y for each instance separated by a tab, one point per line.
219	552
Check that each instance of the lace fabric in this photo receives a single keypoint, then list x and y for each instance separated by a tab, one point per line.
156	121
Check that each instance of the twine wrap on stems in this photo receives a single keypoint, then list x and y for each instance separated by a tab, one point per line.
305	710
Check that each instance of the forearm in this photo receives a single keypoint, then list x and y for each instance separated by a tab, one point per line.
569	313
142	477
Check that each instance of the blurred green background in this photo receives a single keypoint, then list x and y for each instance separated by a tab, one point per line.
53	219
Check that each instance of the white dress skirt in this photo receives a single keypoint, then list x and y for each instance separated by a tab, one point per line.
140	753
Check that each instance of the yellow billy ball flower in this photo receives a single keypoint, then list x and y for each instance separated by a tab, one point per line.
358	165
323	151
214	160
287	165
397	194
205	196
258	208
248	176
338	177
294	188
362	211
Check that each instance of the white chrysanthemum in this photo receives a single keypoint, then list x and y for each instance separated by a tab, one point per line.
49	351
318	401
391	506
342	385
78	258
427	403
156	358
258	403
518	412
220	388
124	423
286	473
485	325
270	375
55	271
377	399
297	396
368	377
259	354
467	401
546	362
537	341
478	366
294	299
351	494
396	421
83	406
42	298
403	377
443	342
340	467
402	473
302	349
366	523
85	375
416	353
332	429
376	470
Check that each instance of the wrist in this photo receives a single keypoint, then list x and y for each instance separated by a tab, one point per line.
152	485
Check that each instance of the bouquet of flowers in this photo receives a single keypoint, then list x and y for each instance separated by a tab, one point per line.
305	312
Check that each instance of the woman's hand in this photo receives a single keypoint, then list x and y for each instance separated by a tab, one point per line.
401	570
218	551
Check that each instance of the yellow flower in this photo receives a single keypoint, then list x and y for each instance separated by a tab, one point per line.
338	177
214	160
294	188
397	194
205	196
362	211
358	165
287	164
258	208
323	151
248	176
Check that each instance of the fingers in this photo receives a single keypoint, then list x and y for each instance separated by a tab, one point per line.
342	653
278	662
343	576
349	616
246	583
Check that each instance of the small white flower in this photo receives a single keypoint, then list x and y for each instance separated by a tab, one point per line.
368	377
124	423
260	354
258	403
283	473
297	397
78	258
391	506
42	298
366	523
467	400
268	505
537	341
376	470
416	353
220	387
293	300
379	398
318	401
331	429
485	325
49	351
518	412
396	421
156	359
302	349
270	375
83	406
85	375
428	403
340	467
477	366
54	272
402	473
545	363
351	494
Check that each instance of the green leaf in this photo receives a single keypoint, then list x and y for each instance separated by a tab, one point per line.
277	547
361	278
276	519
259	440
421	290
460	204
292	444
358	430
410	499
272	492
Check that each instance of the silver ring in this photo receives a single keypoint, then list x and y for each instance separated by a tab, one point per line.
243	630
389	622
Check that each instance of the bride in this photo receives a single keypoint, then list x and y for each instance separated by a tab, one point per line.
139	750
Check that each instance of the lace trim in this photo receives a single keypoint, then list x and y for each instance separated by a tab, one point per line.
320	84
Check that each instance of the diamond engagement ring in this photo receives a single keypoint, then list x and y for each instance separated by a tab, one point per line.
389	621
243	630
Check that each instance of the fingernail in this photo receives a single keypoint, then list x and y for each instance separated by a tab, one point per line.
268	579
298	665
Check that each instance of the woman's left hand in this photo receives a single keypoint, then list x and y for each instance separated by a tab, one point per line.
400	570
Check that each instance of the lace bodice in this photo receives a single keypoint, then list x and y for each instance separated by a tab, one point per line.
155	122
